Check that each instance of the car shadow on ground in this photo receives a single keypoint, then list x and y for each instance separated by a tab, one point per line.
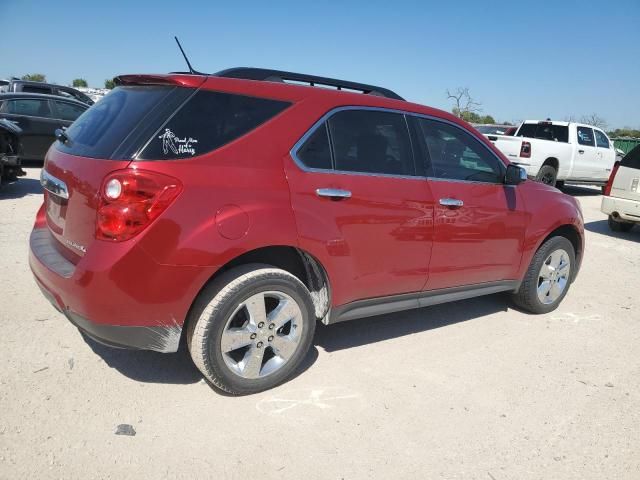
20	188
170	368
577	191
364	331
602	227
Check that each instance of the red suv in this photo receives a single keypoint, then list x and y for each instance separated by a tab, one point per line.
237	209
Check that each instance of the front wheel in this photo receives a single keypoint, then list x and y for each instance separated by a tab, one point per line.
251	328
548	277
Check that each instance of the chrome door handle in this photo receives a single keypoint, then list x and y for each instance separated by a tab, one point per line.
451	202
333	193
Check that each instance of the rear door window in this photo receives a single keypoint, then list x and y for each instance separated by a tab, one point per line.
585	136
68	111
601	139
316	150
208	121
368	141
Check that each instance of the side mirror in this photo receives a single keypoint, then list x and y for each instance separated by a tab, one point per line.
515	175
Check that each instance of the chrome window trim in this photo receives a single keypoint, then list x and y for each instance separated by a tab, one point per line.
53	185
298	145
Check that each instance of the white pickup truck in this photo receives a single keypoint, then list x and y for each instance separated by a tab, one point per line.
555	152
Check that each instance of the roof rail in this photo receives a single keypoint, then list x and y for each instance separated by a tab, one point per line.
264	74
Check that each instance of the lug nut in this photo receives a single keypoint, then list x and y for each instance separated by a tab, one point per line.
259	344
253	335
272	326
261	324
271	338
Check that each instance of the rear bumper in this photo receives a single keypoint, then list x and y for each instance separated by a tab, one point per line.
625	209
116	293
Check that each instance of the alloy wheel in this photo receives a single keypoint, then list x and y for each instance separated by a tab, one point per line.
554	276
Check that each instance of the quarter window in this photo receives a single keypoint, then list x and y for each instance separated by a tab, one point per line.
208	121
585	136
30	107
371	142
456	155
601	139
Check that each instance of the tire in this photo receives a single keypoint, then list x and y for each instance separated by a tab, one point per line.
559	184
618	226
259	357
527	297
547	175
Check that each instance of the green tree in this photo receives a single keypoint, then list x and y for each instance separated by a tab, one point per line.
80	82
109	83
35	77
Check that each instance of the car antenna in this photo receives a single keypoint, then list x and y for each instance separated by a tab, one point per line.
191	70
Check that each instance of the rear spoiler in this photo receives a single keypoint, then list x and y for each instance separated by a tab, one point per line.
193	81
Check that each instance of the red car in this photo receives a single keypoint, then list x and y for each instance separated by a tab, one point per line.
237	209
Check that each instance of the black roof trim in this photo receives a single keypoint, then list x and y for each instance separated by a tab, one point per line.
264	74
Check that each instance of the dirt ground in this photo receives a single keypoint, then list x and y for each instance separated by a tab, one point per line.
473	389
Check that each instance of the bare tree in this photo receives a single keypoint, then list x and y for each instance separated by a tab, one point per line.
464	102
595	120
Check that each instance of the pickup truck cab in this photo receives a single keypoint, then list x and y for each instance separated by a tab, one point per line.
555	152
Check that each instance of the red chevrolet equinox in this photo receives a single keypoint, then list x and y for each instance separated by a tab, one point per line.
235	210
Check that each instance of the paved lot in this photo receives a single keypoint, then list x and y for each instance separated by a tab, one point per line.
473	390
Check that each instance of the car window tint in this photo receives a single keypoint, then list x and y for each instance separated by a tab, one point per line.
69	111
456	155
545	131
585	136
208	121
601	139
316	152
632	159
371	142
34	89
30	107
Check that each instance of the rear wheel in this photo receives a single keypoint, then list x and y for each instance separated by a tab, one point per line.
251	328
618	226
548	278
547	175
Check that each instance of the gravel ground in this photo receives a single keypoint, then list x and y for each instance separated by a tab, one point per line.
473	389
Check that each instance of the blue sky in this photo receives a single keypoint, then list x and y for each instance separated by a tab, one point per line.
520	59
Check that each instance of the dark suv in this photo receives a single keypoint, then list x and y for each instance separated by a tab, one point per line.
235	210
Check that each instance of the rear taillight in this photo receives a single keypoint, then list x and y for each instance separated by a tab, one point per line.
525	150
607	187
130	200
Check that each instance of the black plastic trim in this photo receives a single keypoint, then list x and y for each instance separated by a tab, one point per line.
408	301
265	74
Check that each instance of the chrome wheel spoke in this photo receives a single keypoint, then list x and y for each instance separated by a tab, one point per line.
235	338
546	271
252	362
257	309
283	313
544	288
283	346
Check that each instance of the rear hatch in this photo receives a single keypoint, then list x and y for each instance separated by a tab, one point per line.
102	140
626	183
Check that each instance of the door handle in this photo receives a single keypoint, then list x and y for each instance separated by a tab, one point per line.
333	193
451	202
580	152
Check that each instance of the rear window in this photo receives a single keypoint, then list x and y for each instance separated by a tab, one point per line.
208	121
99	131
632	159
545	131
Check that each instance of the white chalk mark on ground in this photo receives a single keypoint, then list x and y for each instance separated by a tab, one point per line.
321	398
575	317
